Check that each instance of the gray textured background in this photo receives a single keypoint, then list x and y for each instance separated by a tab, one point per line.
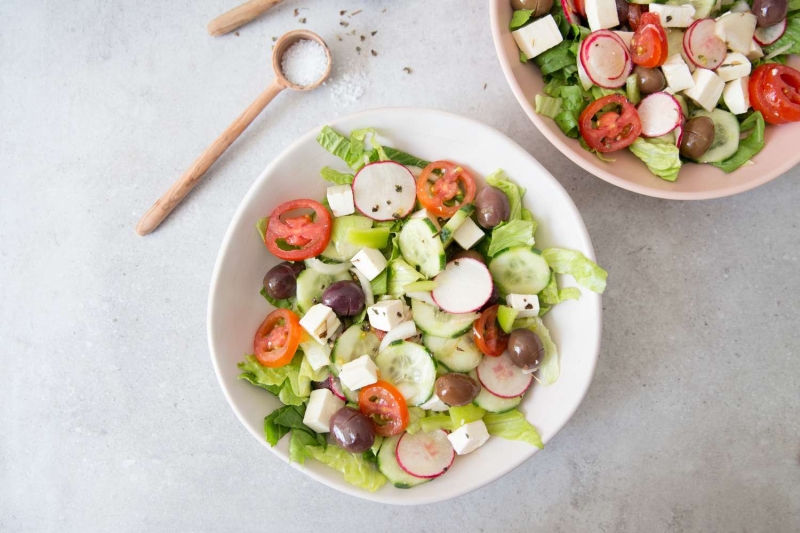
111	418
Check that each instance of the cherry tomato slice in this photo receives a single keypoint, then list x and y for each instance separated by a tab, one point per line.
489	336
649	43
444	187
613	130
758	97
635	12
580	7
277	338
385	405
300	237
781	88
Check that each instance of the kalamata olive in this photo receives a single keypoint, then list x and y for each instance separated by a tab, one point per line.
281	280
622	11
525	349
649	80
296	267
457	389
346	298
352	431
698	134
540	7
471	254
492	207
770	12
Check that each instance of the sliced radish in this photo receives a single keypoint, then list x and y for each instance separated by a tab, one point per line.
502	377
702	45
400	332
605	59
770	34
384	190
463	286
660	113
678	136
425	455
570	13
333	385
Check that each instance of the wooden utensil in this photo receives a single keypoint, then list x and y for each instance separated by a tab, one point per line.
239	16
164	205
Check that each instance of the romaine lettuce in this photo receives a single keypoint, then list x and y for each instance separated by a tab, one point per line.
287	303
585	271
508	235
356	470
334	176
552	295
400	275
514	192
512	425
661	157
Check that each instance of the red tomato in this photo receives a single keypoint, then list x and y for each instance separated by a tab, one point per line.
387	408
758	97
635	12
649	43
580	7
444	187
613	130
277	338
489	336
775	91
306	236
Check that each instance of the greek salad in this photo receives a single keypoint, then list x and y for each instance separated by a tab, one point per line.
673	81
407	323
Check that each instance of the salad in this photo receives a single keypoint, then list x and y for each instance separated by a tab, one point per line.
673	81
407	323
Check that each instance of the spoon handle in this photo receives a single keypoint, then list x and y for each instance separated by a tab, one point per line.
164	205
239	16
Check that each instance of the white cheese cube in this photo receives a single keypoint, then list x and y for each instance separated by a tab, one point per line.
359	373
322	405
734	66
340	198
537	37
737	96
468	234
317	355
707	88
386	315
469	437
626	37
602	14
435	404
320	322
369	262
677	74
674	16
755	51
424	213
526	304
736	29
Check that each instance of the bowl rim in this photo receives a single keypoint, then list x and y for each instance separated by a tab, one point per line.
388	497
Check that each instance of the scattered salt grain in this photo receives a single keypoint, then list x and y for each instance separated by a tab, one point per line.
348	88
304	62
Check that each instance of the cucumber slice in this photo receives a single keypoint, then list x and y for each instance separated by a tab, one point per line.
351	395
458	355
492	403
455	222
352	344
369	238
726	135
340	248
420	286
311	284
703	8
520	270
387	464
433	321
421	246
409	367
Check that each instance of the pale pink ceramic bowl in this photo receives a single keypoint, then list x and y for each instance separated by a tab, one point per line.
695	182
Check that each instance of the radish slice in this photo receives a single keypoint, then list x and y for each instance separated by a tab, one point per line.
332	384
570	13
384	190
770	34
502	377
605	59
425	455
702	45
463	286
678	136
400	332
330	269
660	113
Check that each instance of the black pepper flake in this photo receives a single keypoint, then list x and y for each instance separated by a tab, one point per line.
396	216
314	301
364	327
398	188
274	39
338	37
342	12
375	208
529	306
669	18
407	70
400	314
302	20
456	263
324	335
376	31
322	287
296	12
358	49
485	85
363	37
373	52
344	23
388	202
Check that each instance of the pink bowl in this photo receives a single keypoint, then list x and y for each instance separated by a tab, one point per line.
695	182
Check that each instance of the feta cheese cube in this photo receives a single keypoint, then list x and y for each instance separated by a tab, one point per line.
677	74
340	198
322	405
734	66
526	304
469	437
736	29
707	88
755	51
537	37
424	213
737	96
601	14
674	16
435	404
626	37
369	262
385	315
317	355
320	322
359	373
468	234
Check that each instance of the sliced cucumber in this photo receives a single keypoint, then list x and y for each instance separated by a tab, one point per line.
703	8
340	248
458	355
409	367
351	395
726	135
353	343
421	246
387	464
492	403
455	222
433	321
311	284
520	270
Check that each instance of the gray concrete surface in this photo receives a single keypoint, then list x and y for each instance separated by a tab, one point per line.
111	418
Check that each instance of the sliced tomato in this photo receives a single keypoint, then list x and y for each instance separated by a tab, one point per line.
277	338
635	12
489	336
444	187
613	130
781	89
580	7
385	405
758	96
298	237
649	43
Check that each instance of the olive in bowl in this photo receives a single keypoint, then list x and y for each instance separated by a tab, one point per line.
351	430
698	134
346	298
649	80
457	389
525	349
492	207
280	282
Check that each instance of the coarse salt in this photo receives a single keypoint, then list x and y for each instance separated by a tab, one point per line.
304	62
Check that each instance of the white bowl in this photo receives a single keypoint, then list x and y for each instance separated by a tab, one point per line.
235	307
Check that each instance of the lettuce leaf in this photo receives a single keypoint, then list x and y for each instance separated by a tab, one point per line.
547	105
261	227
661	157
356	470
379	284
405	159
790	37
261	376
400	275
552	295
514	192
520	18
415	417
513	233
287	303
334	176
513	425
288	417
749	146
585	271
357	138
556	58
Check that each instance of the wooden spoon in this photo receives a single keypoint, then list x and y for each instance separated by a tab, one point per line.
239	16
189	179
